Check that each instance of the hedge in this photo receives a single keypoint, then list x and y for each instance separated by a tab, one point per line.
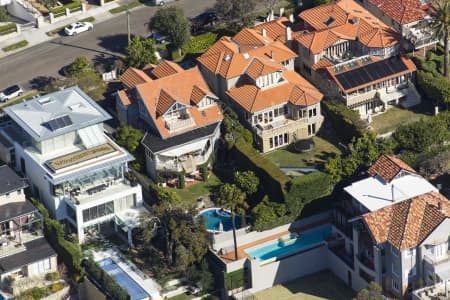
272	179
200	43
69	252
105	281
61	9
8	28
235	279
346	122
15	46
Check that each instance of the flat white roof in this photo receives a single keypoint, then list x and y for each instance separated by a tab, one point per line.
374	193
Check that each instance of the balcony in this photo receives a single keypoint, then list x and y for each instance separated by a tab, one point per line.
179	123
100	190
11	245
177	164
275	127
437	260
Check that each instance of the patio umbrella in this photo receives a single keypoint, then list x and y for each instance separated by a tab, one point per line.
220	226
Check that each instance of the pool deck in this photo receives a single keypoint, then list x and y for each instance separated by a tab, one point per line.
229	257
150	286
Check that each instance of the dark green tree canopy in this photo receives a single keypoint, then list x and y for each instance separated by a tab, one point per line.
237	13
129	137
440	12
247	181
171	21
141	52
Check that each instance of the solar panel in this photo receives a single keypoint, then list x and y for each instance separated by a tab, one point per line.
370	72
60	122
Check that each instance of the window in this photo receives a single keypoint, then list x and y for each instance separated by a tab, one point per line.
439	250
270	143
43	265
311	129
395	285
286	110
312	112
411	252
286	138
394	251
275	112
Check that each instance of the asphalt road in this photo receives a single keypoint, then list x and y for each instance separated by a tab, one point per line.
108	39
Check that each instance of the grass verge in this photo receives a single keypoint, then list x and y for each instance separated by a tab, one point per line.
15	46
123	8
88	19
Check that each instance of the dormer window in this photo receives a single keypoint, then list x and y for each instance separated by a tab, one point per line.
205	102
269	80
176	111
328	21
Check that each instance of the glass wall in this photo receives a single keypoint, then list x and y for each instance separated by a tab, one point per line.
98	211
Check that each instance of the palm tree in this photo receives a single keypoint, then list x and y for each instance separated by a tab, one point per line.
440	11
233	198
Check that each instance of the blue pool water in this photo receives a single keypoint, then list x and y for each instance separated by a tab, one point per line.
213	218
1	297
277	249
123	279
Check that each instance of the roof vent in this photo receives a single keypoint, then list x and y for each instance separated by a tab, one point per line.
203	113
354	20
246	56
328	21
227	57
44	101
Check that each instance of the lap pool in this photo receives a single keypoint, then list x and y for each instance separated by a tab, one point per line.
135	291
290	244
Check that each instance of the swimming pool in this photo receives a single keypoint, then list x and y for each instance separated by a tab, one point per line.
214	217
123	279
279	247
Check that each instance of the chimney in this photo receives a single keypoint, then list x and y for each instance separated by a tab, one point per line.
291	18
281	11
264	32
288	33
392	192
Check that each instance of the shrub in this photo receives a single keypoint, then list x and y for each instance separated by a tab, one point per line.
346	121
181	180
8	283
268	215
15	46
52	276
272	179
203	169
235	279
56	287
200	43
61	9
8	28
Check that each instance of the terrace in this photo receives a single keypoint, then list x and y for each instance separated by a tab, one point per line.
102	190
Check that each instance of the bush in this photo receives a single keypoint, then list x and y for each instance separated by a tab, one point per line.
8	283
272	179
15	46
52	276
268	215
200	43
346	121
181	180
8	28
61	9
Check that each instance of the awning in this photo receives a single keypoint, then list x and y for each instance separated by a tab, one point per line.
92	136
187	148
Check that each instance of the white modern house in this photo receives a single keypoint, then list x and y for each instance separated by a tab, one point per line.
25	254
57	142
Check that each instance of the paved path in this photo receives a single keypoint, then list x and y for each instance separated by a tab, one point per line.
47	55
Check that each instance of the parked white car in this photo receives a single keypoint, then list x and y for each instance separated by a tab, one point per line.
10	93
78	27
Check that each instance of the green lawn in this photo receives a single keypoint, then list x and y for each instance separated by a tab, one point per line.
322	285
315	158
191	193
393	118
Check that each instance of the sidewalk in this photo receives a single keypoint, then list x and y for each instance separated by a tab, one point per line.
36	36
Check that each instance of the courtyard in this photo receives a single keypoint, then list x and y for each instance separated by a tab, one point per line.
322	285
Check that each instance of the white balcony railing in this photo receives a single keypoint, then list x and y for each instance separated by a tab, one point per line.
176	124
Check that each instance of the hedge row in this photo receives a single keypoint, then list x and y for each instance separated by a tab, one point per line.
8	28
235	279
273	180
200	43
61	9
69	252
346	122
106	282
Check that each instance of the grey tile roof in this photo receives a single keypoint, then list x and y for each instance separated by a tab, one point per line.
156	144
15	209
9	181
39	116
36	250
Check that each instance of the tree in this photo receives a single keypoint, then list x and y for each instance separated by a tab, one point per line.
3	14
372	292
322	2
129	137
236	13
80	66
440	12
268	215
247	181
233	198
171	21
141	52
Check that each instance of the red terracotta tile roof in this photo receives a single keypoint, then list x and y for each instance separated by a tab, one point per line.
259	67
133	77
229	57
408	223
350	21
164	69
127	97
401	11
387	167
276	29
296	90
185	87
